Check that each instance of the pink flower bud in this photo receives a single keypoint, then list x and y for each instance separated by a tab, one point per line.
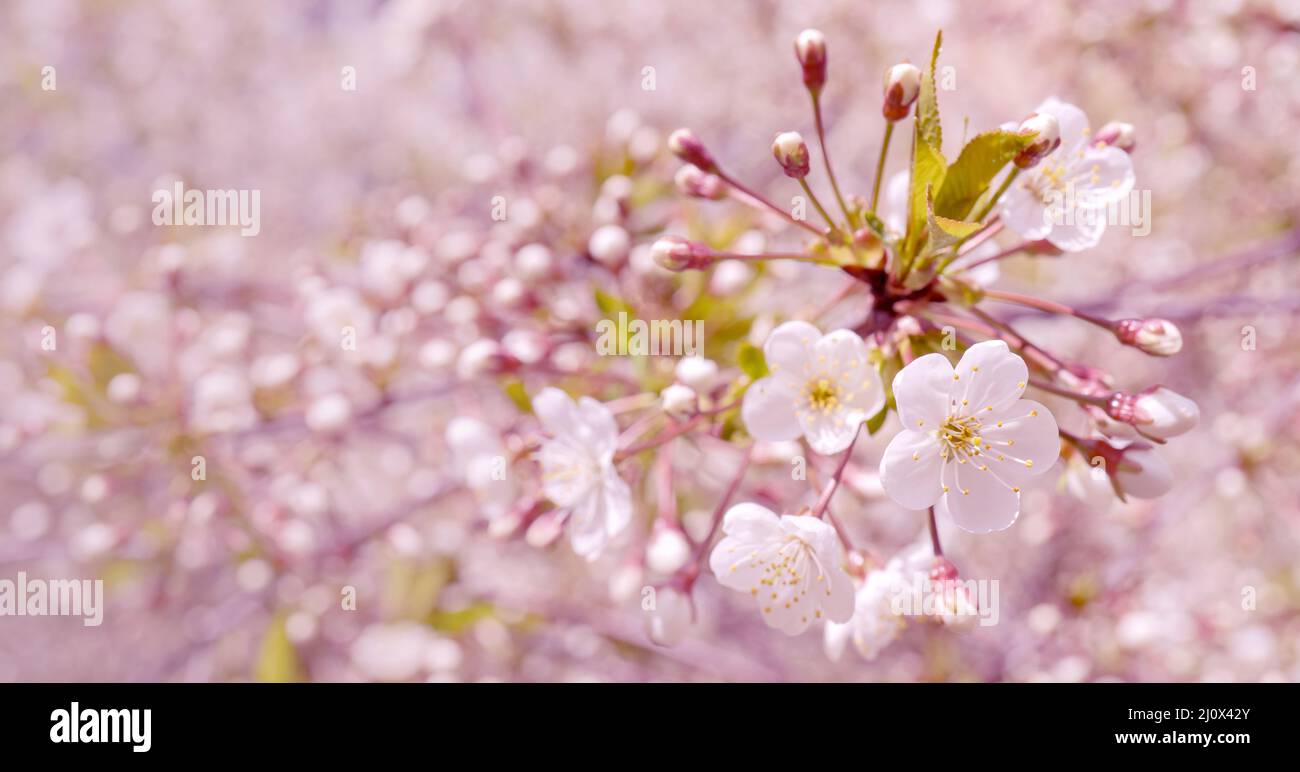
1117	134
688	147
679	401
902	87
1134	469
1157	337
1047	137
697	184
810	50
1157	412
675	253
792	153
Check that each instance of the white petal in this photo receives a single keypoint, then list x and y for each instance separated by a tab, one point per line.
751	522
910	468
1078	229
921	392
618	503
556	412
788	349
989	375
1072	120
769	410
842	356
597	427
977	500
1020	442
1102	176
1154	479
567	472
1024	212
830	432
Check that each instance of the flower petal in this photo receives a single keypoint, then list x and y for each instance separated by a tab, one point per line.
829	432
921	391
597	428
1020	442
1073	122
769	410
556	411
788	349
990	376
1102	176
1024	212
1078	229
977	500
910	469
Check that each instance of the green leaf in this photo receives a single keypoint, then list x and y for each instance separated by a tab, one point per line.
610	305
514	389
751	361
928	170
277	662
878	420
106	364
944	232
971	174
927	104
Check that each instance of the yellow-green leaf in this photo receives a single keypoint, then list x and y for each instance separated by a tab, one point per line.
751	361
971	174
277	662
928	170
927	103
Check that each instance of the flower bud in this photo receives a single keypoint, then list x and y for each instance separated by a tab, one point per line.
609	245
1157	337
678	400
810	50
792	153
675	253
1142	473
668	549
688	147
1156	412
902	87
1047	137
697	184
696	372
1117	134
1168	413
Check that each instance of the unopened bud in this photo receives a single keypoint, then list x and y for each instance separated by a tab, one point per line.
679	400
696	372
810	50
697	184
675	253
792	153
1156	412
902	87
1157	337
1117	134
688	147
1047	137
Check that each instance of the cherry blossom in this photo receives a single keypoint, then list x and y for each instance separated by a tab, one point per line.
792	565
969	438
1063	199
578	469
821	387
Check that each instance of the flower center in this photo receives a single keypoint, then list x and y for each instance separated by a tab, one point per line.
959	437
822	394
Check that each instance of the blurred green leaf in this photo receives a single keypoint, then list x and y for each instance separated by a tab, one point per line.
106	364
277	662
514	389
751	361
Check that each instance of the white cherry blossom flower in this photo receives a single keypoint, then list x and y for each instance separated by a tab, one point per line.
792	565
968	437
822	387
578	470
876	623
1064	198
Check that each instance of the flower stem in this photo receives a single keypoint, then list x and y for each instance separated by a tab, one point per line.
992	202
803	183
1049	306
934	535
703	547
776	256
1083	399
880	164
823	503
826	157
758	197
